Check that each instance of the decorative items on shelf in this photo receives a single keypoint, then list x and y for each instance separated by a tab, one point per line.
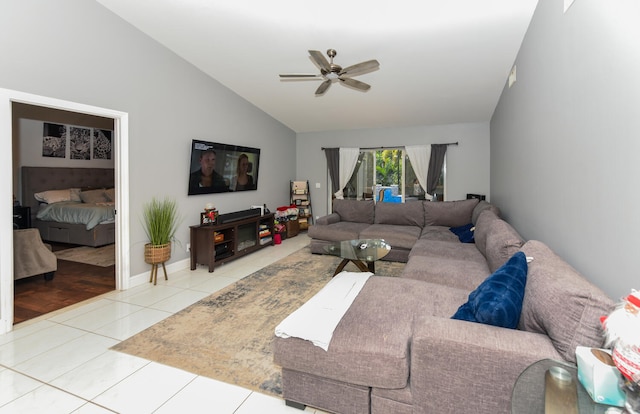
210	215
622	333
264	233
286	213
287	216
301	198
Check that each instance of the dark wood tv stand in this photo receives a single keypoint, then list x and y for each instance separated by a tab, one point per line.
235	239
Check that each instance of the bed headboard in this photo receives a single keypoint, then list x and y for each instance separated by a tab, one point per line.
37	179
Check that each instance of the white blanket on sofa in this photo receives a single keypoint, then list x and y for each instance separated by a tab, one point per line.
316	320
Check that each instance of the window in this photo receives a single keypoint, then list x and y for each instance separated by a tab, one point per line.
387	169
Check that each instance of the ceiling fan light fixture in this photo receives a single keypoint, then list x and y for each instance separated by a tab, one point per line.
332	72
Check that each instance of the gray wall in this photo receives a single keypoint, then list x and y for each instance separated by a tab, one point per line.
566	137
467	163
78	51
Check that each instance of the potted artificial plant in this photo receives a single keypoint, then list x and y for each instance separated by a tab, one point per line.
160	223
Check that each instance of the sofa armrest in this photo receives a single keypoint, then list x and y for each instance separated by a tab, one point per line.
328	219
458	364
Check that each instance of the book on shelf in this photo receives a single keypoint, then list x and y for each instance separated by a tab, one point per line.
265	233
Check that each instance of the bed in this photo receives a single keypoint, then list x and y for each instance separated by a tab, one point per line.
57	226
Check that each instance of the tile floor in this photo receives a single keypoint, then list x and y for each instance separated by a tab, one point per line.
61	362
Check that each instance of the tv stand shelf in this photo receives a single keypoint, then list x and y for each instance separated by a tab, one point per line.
235	239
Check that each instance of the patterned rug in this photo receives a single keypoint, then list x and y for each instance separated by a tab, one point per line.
104	256
227	336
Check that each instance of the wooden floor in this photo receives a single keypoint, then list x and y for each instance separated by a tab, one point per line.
73	283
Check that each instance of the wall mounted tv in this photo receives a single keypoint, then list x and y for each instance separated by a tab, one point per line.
222	168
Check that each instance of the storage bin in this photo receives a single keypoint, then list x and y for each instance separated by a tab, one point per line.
293	227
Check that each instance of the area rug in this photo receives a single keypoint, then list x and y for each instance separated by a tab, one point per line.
104	256
227	336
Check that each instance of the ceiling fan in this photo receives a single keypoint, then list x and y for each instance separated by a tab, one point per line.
331	72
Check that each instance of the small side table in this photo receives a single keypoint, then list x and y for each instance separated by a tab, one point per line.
528	395
21	217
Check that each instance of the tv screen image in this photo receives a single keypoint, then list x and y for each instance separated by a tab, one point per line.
222	168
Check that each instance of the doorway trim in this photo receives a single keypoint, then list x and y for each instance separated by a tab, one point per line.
121	170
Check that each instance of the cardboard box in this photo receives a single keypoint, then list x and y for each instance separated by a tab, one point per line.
599	376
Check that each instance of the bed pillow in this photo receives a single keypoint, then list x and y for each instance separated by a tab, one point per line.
53	196
93	196
110	193
75	194
498	300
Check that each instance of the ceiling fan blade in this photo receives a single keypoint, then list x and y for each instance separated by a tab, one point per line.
299	76
355	84
323	87
320	60
360	68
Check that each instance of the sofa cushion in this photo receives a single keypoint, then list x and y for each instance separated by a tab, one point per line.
356	211
448	213
405	214
447	271
441	233
445	249
483	226
482	206
343	230
403	237
501	243
498	300
561	303
370	347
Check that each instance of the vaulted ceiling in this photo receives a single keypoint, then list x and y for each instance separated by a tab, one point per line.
441	61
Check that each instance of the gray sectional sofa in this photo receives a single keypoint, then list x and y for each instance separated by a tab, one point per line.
397	349
400	224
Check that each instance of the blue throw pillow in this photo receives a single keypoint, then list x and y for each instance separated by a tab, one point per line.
464	233
498	300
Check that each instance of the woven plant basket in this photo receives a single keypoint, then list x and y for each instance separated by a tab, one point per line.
157	254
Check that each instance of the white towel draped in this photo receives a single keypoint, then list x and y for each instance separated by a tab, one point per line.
316	320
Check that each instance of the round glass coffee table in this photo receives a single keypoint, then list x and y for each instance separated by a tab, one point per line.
361	252
537	391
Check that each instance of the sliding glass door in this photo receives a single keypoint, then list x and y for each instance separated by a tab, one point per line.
387	171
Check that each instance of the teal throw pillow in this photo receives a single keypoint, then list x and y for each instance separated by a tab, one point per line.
498	300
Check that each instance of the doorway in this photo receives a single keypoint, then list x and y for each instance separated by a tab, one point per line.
120	154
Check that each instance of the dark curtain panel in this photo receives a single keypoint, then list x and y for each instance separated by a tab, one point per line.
333	164
435	166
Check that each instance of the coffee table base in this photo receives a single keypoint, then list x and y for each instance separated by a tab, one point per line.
368	267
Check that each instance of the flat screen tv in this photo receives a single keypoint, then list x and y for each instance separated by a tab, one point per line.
222	168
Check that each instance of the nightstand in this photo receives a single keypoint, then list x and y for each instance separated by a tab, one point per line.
21	217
